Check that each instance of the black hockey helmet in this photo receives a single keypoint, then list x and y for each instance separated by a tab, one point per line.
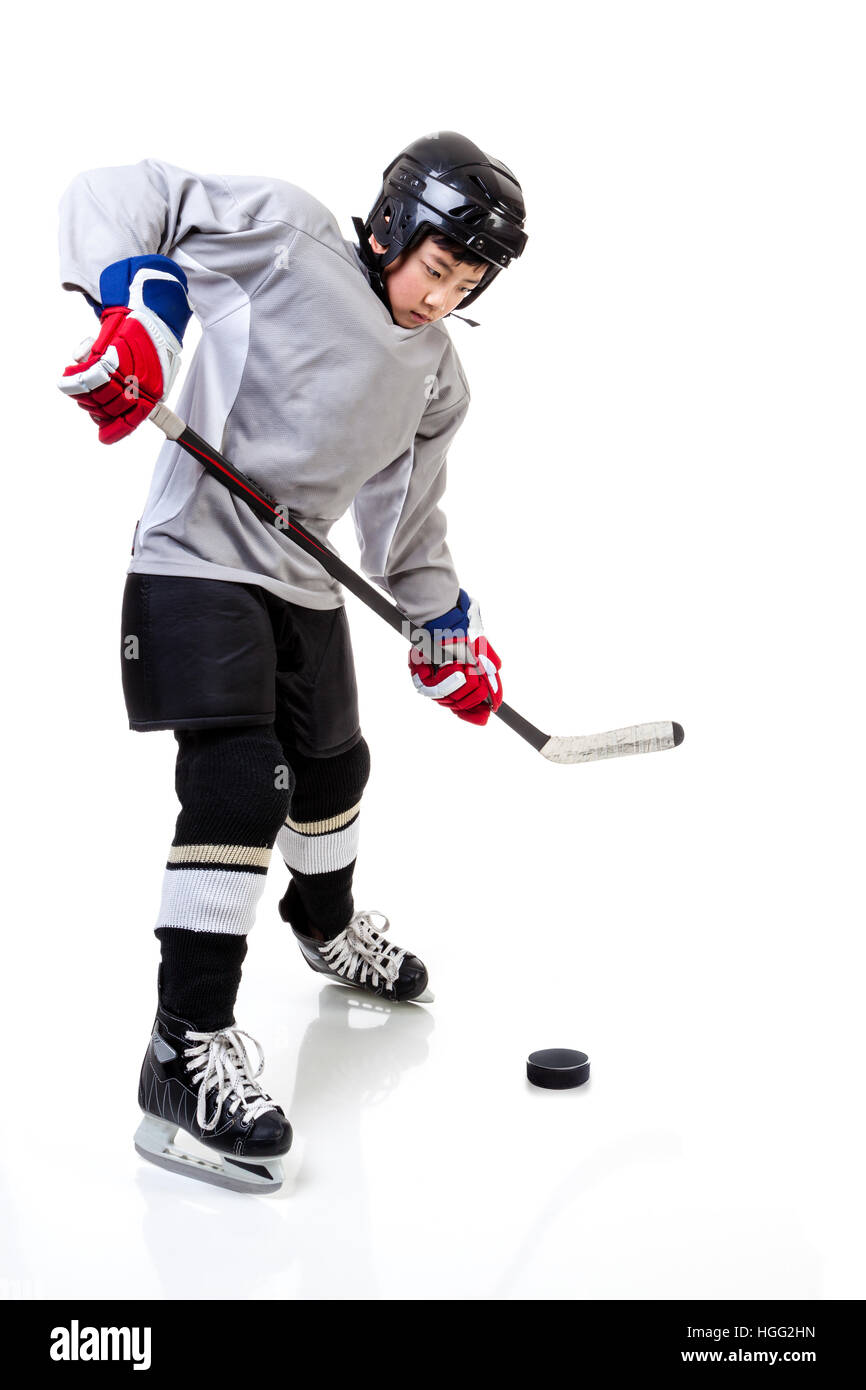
445	183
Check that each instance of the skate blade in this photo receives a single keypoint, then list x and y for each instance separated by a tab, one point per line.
153	1141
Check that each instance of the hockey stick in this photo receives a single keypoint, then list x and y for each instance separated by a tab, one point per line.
616	743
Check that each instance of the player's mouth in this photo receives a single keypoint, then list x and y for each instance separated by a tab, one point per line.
419	318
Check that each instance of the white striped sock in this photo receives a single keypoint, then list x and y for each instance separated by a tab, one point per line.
316	853
217	900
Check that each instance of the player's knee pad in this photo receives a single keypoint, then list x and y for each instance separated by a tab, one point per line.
327	787
233	785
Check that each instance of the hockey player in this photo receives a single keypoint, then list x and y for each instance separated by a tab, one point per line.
326	370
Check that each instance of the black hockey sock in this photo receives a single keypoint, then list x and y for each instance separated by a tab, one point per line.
199	975
231	786
319	840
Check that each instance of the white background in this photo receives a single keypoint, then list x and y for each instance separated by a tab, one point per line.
657	497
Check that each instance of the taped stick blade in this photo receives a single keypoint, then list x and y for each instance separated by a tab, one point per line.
616	743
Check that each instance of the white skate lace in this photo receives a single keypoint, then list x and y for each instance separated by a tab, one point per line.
361	946
221	1060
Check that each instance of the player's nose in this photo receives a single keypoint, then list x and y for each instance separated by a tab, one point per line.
435	298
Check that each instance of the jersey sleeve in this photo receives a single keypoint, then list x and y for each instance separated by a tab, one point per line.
400	526
107	215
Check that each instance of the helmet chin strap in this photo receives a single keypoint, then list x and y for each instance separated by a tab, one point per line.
373	261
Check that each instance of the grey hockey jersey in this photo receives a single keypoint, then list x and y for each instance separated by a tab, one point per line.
301	378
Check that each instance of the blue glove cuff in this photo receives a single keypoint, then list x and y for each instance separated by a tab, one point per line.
455	620
165	298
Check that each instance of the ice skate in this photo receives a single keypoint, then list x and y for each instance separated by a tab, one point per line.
360	956
203	1083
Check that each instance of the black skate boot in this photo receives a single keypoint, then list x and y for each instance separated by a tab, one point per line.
361	957
203	1083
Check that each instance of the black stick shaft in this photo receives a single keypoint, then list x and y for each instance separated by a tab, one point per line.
279	516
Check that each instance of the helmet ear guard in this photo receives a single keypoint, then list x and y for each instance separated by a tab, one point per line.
394	226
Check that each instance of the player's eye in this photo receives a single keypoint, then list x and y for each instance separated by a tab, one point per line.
437	276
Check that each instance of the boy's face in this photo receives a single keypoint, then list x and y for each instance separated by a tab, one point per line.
426	283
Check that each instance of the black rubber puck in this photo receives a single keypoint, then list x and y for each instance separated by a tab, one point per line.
679	734
557	1068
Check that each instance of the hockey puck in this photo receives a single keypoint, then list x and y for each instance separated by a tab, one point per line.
557	1068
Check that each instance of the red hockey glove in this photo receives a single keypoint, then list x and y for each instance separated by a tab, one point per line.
132	363
457	667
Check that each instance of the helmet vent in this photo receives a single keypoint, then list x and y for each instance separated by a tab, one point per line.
468	212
